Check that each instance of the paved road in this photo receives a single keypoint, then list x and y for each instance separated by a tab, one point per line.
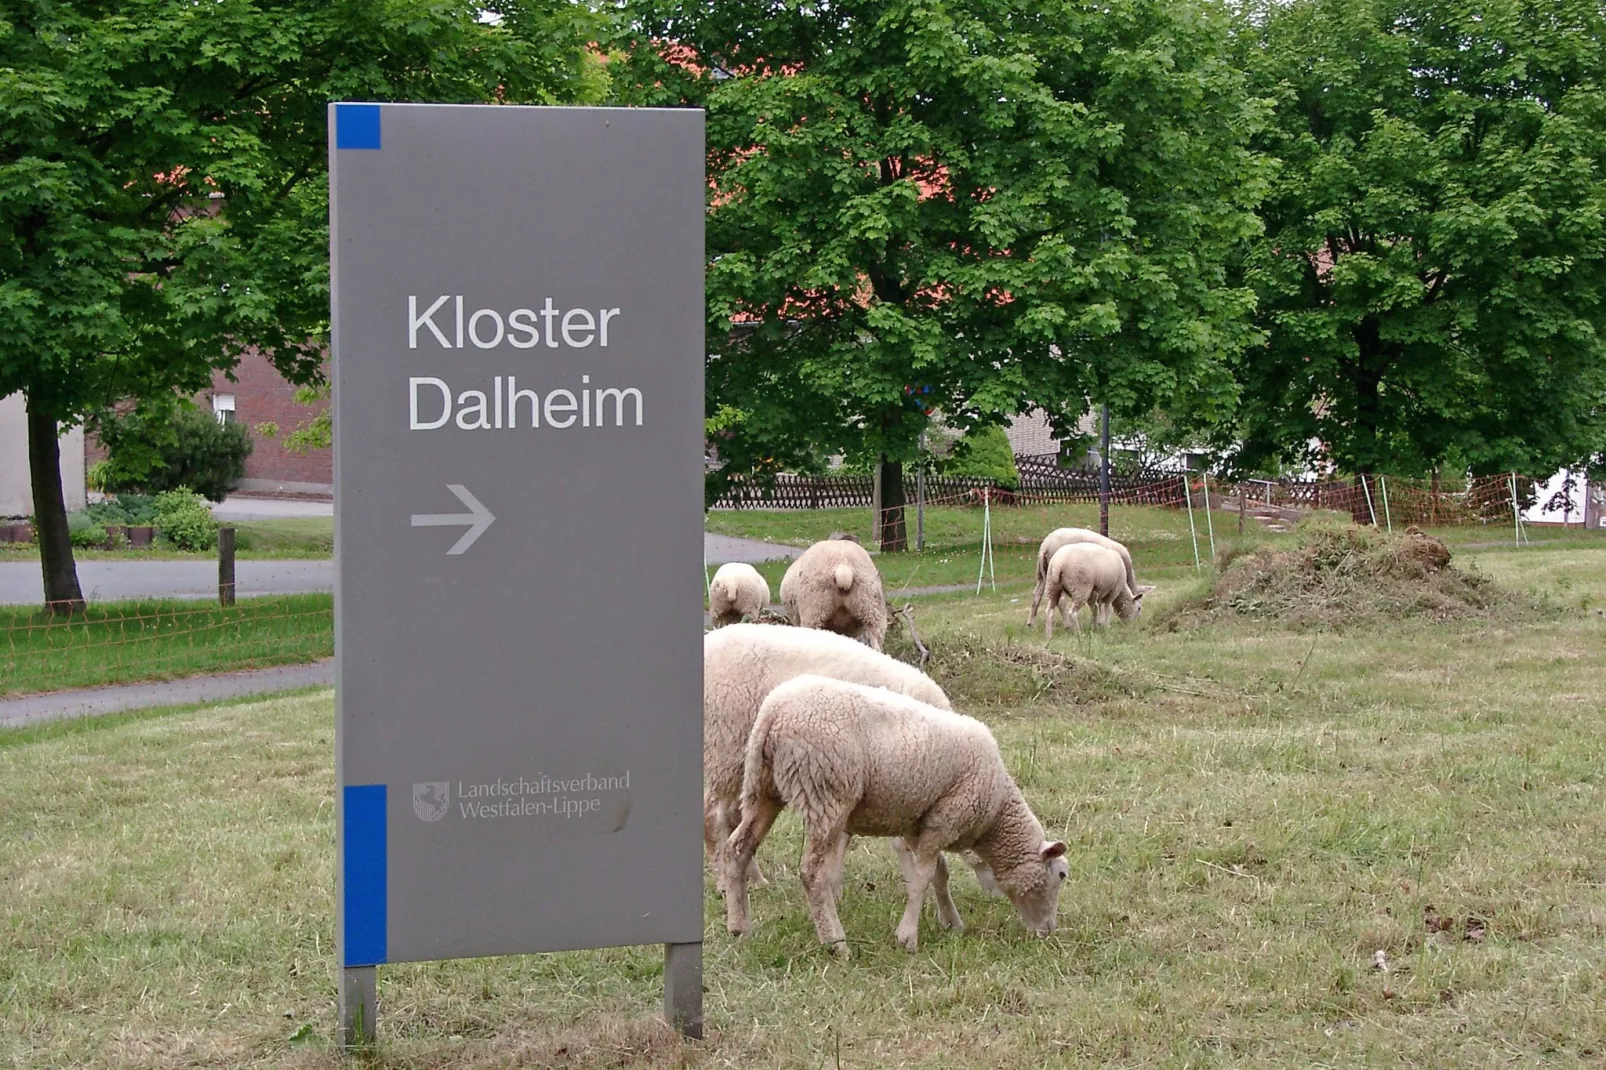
236	508
83	702
105	581
719	549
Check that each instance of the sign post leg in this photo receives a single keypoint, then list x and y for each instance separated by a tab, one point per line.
358	1006
683	988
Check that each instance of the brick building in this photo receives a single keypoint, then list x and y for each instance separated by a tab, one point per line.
257	395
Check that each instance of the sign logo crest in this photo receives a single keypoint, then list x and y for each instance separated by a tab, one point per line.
431	800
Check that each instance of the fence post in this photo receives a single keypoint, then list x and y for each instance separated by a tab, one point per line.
920	496
1104	475
1242	506
1187	495
986	539
1210	524
1366	490
875	502
225	566
1516	511
1383	487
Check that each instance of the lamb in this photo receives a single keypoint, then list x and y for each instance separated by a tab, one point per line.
1065	537
859	760
742	664
835	586
1083	573
736	591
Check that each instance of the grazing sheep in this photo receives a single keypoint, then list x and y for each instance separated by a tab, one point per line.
1082	573
736	591
862	761
834	586
742	664
1065	537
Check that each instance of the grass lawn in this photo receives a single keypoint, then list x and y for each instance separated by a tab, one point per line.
1157	537
1253	814
119	642
277	539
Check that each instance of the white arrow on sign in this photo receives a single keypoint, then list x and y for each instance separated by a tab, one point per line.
478	518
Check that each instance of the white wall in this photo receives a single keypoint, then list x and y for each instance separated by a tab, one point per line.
1536	513
16	496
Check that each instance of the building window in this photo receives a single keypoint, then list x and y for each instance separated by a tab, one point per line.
223	408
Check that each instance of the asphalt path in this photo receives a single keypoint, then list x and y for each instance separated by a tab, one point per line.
109	581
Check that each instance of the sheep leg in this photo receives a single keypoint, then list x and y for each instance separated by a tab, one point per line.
739	849
717	828
1075	615
947	914
715	831
1037	598
1054	593
921	871
822	875
839	867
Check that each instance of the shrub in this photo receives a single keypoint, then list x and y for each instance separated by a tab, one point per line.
190	450
84	532
984	453
184	520
131	509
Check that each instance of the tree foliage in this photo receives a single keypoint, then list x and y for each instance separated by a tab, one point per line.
1012	203
192	450
1434	260
163	199
983	453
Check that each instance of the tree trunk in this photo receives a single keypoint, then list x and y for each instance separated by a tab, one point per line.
62	594
894	536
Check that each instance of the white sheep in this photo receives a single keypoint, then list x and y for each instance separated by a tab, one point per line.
742	664
1082	574
736	591
862	761
834	585
1065	537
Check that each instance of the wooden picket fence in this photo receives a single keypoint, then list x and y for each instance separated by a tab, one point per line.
1384	500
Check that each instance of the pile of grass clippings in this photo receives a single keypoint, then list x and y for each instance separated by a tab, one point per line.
979	674
1342	574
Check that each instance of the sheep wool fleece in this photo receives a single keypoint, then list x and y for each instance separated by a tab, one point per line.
742	664
1084	574
834	585
856	760
736	591
1065	537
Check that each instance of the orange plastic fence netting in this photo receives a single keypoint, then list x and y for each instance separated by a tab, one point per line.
119	642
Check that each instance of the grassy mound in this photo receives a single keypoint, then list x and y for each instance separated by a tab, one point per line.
1342	574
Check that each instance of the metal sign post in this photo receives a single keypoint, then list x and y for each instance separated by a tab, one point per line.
518	354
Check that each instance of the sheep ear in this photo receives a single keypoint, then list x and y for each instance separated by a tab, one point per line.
1144	588
1053	850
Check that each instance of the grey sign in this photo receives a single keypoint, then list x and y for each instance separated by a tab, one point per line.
518	352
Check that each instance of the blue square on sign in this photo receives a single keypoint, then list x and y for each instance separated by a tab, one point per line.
356	126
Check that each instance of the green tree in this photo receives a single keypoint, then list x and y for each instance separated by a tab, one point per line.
192	450
163	194
985	454
1009	202
1433	268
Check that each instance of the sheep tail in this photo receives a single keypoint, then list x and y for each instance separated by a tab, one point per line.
758	777
843	575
